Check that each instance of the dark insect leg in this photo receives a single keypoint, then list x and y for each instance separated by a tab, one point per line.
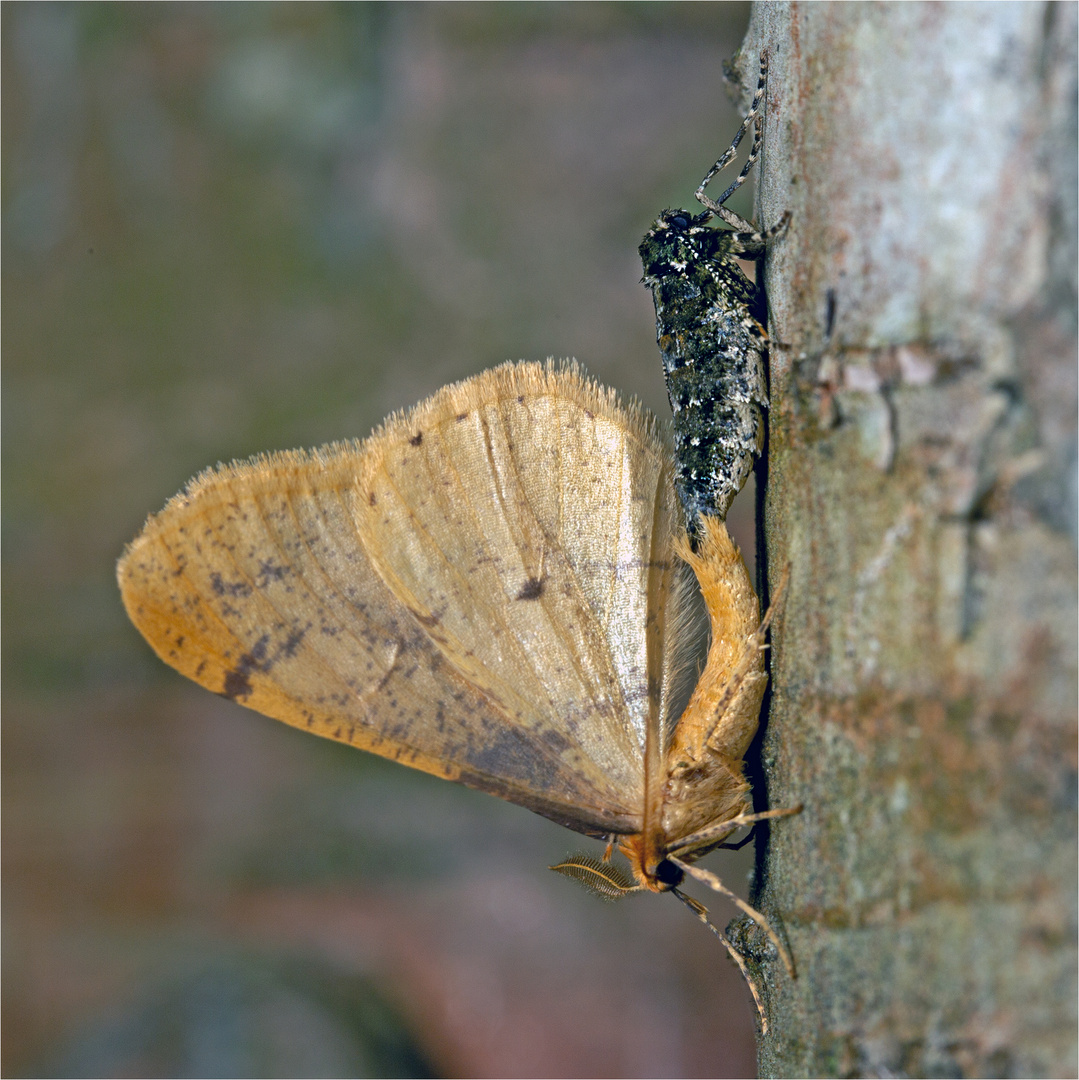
740	843
754	243
716	205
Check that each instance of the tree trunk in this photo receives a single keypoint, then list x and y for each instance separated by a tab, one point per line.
921	489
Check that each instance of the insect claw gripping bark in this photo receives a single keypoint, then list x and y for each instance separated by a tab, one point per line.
710	326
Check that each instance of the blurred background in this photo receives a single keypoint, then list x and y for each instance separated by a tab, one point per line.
237	228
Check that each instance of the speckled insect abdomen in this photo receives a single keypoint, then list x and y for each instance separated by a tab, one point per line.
710	327
713	350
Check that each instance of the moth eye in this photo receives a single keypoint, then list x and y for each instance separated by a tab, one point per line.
680	221
668	874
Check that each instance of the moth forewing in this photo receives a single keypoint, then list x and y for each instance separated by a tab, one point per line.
460	592
546	607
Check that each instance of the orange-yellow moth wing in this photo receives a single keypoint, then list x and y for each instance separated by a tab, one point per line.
485	589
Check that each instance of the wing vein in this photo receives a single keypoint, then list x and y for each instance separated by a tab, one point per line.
550	753
578	592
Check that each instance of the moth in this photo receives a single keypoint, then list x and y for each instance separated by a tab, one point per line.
492	588
489	588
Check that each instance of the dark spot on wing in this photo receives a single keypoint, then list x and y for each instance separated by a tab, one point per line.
532	589
292	642
271	571
229	588
237	684
258	652
417	438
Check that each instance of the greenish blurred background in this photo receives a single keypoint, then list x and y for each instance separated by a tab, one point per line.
247	227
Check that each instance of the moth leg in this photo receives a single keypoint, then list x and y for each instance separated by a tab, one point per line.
609	849
785	811
716	205
713	882
702	913
702	839
738	845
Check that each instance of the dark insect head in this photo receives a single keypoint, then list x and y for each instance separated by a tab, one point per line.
679	221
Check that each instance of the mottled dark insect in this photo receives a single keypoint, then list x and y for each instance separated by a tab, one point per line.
710	325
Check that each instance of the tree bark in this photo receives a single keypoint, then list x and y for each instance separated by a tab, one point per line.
921	488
